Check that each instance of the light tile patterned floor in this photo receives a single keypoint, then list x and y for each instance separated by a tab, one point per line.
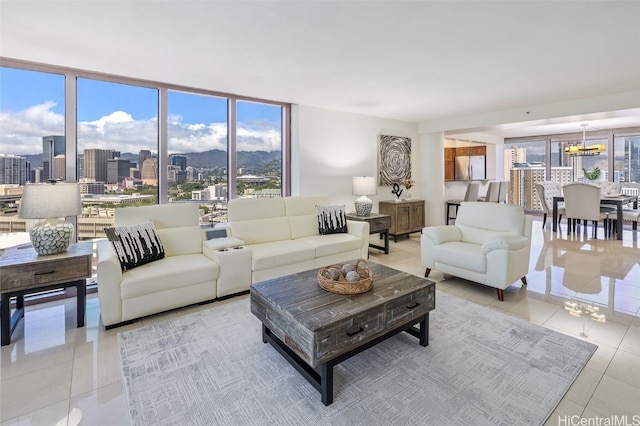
55	374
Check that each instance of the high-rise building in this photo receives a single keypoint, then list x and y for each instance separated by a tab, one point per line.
117	170
35	175
512	156
95	163
522	189
59	169
179	160
51	146
144	154
149	172
14	170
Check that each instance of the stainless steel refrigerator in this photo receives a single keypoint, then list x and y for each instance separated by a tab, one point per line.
470	167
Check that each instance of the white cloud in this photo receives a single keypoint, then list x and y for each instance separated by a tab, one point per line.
21	133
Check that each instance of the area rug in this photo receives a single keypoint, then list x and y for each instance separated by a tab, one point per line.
481	367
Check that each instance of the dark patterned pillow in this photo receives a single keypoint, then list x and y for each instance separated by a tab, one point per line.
331	219
135	244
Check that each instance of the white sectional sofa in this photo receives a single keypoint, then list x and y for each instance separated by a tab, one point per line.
282	235
489	244
266	238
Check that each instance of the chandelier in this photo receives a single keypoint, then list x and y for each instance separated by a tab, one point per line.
583	149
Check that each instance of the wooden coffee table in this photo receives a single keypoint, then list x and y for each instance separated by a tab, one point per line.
316	330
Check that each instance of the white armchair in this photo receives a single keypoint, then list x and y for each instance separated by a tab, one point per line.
489	244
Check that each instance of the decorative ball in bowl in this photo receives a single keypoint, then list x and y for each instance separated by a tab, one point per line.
348	278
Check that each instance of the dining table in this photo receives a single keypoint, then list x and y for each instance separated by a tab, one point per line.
619	200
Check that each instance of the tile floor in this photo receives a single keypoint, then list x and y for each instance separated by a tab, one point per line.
53	373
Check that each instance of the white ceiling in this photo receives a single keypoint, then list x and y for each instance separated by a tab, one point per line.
417	61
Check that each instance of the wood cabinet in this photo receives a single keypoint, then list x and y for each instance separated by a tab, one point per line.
471	150
406	216
449	163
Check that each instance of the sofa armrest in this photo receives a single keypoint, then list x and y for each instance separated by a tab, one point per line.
359	229
442	234
211	246
109	278
507	242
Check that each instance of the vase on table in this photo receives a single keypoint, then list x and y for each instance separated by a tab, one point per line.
407	196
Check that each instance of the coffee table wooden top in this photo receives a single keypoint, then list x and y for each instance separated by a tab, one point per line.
319	325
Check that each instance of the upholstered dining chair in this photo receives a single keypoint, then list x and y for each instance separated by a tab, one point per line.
504	187
546	190
582	202
493	191
470	195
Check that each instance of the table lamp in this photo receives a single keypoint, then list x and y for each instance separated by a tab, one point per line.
364	185
50	202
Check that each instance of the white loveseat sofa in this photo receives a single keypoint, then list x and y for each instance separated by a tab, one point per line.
283	238
183	277
489	244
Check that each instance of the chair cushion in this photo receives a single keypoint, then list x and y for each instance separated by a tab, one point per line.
135	244
462	255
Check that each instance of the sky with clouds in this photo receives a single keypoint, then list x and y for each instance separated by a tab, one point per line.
122	117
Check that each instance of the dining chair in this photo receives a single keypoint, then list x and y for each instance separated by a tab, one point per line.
493	192
546	190
582	202
471	194
504	187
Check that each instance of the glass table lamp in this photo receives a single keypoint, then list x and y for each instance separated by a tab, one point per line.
364	185
50	202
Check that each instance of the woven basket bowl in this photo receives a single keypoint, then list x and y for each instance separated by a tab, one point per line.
342	286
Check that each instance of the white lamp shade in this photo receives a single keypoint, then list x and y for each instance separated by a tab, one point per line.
364	185
42	201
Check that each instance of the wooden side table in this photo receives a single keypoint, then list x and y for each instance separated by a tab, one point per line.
378	223
23	271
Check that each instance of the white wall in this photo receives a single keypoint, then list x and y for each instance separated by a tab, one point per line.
329	148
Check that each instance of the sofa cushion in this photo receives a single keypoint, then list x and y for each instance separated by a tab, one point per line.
462	255
327	245
181	240
167	274
331	219
136	244
304	225
261	230
279	253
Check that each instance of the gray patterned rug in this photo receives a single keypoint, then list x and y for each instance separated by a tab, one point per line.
481	367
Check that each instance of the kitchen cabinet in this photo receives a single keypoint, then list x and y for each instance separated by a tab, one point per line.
449	163
471	150
406	216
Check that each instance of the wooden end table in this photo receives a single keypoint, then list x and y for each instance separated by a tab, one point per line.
315	330
23	271
378	223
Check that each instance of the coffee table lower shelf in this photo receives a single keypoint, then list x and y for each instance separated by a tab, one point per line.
322	377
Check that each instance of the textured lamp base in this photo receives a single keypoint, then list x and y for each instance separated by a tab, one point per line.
363	206
51	236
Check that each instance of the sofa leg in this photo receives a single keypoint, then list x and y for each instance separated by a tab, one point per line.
500	294
544	219
524	280
427	272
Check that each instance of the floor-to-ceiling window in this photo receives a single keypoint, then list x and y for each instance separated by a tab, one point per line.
32	139
137	141
198	152
564	159
117	145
